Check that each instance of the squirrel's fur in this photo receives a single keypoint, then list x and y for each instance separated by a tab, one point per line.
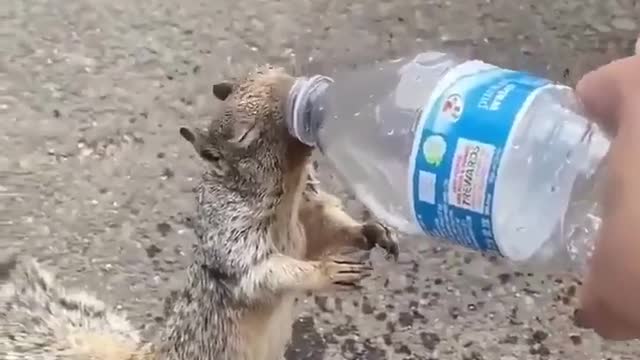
265	234
40	320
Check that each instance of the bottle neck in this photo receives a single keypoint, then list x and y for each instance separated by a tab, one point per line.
306	107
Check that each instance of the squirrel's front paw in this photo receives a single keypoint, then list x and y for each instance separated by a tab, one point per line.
376	234
344	273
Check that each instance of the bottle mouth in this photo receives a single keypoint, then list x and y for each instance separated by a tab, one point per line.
299	109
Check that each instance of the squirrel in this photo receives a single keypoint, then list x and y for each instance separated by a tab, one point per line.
266	230
266	233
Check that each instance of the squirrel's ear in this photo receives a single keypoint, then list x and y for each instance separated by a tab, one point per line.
222	90
196	137
187	135
200	142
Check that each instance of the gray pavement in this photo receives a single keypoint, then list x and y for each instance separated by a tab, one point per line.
96	183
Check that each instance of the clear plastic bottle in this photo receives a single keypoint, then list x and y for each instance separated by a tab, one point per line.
488	158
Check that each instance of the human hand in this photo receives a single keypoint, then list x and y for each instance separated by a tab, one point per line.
610	296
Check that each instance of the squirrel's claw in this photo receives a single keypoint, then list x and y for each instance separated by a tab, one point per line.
377	234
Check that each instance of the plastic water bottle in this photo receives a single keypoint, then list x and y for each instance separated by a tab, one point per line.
491	159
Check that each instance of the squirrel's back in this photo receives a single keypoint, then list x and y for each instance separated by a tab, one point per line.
40	320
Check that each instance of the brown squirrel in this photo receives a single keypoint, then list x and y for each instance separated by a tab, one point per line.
265	233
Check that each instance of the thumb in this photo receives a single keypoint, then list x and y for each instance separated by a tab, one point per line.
606	91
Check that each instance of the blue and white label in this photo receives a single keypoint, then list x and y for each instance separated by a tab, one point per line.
462	135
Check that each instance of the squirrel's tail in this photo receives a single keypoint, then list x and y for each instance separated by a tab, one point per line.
25	276
40	319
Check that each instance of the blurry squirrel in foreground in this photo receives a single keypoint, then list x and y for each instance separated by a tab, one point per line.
265	232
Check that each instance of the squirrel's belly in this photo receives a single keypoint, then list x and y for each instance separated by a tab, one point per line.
267	330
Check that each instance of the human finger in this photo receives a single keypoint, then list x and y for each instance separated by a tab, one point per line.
608	90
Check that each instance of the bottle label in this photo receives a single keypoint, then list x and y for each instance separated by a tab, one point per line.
461	137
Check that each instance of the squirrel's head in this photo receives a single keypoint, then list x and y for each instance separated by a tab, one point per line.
247	142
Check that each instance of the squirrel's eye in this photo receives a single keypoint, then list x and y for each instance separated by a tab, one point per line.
209	156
